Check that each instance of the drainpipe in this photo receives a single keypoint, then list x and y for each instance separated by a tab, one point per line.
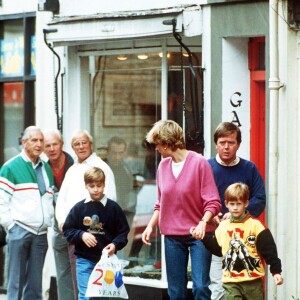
58	118
274	86
198	136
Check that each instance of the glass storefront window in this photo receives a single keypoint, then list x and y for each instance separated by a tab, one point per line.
185	99
12	49
32	55
13	118
125	102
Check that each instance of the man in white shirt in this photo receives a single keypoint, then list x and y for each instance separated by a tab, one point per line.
73	187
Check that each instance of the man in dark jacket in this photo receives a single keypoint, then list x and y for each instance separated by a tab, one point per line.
60	162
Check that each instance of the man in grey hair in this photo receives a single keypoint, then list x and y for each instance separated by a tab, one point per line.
26	211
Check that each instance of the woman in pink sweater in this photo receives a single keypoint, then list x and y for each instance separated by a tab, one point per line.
187	196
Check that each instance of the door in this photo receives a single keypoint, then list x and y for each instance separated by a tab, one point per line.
258	105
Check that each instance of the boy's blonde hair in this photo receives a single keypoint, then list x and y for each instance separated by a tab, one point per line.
237	191
94	174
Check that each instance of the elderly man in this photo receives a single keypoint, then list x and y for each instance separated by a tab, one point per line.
26	210
73	187
59	161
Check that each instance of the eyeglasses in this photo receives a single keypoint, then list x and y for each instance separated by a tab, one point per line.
80	143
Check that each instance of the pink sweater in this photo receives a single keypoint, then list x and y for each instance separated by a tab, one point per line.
182	201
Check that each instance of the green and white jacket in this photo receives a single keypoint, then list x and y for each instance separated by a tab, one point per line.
20	199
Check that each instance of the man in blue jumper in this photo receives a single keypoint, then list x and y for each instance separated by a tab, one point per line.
26	211
228	169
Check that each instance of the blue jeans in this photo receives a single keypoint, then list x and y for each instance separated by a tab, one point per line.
177	249
26	256
84	268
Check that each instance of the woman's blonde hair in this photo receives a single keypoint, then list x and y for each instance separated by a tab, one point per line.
168	133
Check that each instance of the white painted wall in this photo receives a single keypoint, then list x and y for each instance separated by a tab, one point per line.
46	68
236	88
283	217
17	6
77	7
206	64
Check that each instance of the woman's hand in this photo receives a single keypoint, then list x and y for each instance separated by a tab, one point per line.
146	235
198	232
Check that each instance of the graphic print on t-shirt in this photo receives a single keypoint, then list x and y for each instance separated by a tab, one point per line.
95	226
238	261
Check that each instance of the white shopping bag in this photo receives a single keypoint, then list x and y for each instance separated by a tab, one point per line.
106	280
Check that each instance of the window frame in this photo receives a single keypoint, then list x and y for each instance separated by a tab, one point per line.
28	23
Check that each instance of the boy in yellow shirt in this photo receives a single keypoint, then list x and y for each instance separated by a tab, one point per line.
243	241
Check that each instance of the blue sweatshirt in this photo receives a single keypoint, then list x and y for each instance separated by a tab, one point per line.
106	222
245	171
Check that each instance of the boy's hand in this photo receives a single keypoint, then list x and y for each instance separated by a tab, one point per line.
61	227
220	217
111	249
217	219
278	279
89	239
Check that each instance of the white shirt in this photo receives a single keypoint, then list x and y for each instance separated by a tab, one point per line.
177	167
73	187
233	163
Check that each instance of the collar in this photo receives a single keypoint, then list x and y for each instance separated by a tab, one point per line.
103	200
27	159
242	219
233	163
86	161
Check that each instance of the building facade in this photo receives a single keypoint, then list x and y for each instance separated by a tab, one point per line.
118	67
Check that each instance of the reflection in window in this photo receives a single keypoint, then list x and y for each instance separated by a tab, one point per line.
32	55
12	49
126	102
185	97
13	118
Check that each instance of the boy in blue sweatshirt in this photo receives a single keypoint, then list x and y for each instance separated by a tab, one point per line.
94	224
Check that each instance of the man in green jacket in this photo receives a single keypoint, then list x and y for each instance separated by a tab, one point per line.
26	211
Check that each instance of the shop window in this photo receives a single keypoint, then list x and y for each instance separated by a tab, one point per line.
185	97
17	80
17	91
12	49
13	117
125	102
